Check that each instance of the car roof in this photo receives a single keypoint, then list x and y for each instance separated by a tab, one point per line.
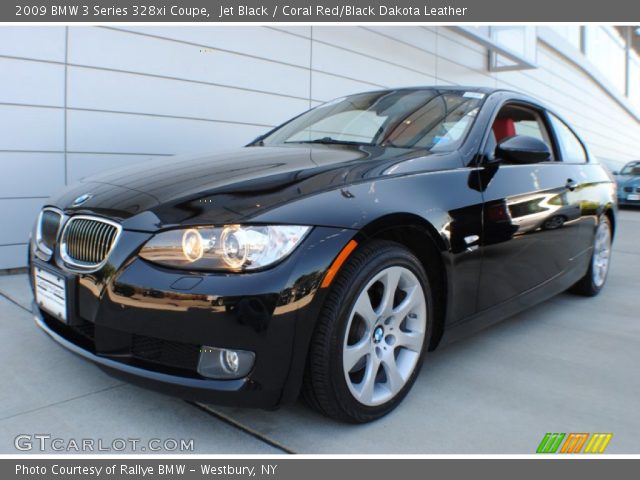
450	88
487	91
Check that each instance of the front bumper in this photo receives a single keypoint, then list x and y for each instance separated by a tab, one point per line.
625	201
146	324
628	194
192	388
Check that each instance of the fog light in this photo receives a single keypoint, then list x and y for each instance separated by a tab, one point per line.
224	364
231	362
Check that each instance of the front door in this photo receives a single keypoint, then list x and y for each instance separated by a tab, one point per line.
530	222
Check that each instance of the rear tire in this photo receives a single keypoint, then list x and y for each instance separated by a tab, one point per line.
371	335
594	280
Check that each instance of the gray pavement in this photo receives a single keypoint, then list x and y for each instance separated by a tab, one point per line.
568	365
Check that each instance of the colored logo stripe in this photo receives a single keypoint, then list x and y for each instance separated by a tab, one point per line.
574	442
550	443
598	443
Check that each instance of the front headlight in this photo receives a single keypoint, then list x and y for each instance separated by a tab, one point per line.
230	248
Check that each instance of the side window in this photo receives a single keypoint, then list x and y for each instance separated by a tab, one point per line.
570	147
518	120
533	128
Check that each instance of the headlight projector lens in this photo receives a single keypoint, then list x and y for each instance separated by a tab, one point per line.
234	247
192	245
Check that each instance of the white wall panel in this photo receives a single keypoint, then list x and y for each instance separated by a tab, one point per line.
302	31
462	54
107	90
333	60
326	87
31	128
378	47
29	174
21	215
119	50
564	79
460	75
459	39
121	133
419	37
260	42
42	43
31	83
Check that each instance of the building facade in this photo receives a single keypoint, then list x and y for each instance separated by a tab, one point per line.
80	100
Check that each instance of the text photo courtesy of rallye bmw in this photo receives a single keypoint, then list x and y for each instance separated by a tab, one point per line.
328	256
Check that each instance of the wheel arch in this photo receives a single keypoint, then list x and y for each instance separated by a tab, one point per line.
609	212
422	239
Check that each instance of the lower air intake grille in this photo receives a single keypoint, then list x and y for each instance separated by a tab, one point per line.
87	241
164	352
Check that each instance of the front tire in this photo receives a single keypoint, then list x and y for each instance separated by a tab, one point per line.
371	335
595	278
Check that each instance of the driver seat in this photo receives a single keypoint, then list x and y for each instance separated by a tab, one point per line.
503	128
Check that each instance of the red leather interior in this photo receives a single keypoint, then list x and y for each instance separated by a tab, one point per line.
503	128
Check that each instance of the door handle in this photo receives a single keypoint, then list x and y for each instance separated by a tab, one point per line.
571	184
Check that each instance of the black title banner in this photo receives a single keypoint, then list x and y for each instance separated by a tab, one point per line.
301	11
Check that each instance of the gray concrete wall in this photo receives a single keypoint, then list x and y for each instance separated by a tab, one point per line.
80	100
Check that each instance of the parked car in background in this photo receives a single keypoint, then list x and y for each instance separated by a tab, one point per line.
331	254
628	180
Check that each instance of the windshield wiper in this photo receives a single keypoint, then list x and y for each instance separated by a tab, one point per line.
331	141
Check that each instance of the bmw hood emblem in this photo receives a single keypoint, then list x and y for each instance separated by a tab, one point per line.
81	200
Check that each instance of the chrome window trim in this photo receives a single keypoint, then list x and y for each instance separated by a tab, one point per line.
81	266
44	252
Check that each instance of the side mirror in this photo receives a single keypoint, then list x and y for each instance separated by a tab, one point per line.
522	149
616	172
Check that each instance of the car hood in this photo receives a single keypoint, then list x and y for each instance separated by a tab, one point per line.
236	185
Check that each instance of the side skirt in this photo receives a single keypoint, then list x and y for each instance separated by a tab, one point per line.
519	303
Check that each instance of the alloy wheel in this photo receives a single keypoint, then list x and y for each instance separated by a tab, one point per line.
601	253
384	336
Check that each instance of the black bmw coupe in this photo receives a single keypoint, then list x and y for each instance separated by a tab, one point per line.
328	256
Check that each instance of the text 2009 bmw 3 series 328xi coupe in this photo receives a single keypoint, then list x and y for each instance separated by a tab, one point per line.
330	255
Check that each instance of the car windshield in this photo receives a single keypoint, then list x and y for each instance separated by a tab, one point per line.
425	119
631	169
